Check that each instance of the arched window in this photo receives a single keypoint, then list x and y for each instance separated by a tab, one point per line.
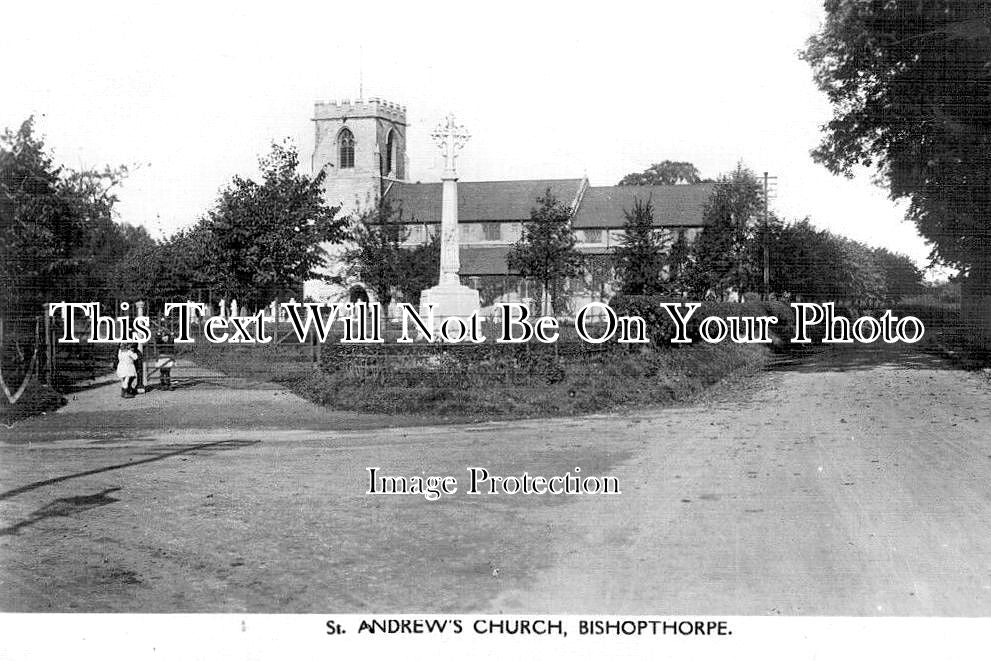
345	145
390	153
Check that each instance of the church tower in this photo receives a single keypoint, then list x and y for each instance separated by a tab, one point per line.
361	145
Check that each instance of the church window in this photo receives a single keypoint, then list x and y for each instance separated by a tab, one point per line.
345	142
390	153
492	231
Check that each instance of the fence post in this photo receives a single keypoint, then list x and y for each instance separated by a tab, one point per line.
143	377
49	346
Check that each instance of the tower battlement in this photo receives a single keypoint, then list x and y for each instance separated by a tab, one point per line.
359	144
358	108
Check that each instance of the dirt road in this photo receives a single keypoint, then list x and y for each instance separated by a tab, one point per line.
857	484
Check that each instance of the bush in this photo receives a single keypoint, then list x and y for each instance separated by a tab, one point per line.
930	309
661	328
457	365
491	381
37	398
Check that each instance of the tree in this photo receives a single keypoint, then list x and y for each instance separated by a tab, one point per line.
722	252
58	237
546	249
795	250
268	237
172	270
666	173
375	253
420	268
640	257
815	265
680	263
909	83
902	278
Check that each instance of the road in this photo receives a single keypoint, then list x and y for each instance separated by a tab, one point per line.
858	483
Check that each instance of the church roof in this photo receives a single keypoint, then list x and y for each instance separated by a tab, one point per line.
674	206
480	201
599	207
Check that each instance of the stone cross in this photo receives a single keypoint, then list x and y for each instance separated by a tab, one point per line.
450	137
449	297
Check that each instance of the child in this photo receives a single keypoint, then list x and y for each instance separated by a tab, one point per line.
126	371
165	363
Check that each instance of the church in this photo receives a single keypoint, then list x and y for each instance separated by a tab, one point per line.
361	146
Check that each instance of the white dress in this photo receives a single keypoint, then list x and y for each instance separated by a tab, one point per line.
125	364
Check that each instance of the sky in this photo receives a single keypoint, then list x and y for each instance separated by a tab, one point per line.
193	93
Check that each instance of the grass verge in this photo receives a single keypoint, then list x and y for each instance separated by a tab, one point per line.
36	399
474	383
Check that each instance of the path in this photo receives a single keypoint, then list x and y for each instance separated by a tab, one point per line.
858	485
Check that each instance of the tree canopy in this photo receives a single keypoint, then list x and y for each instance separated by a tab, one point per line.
546	249
640	256
910	86
167	271
377	255
664	173
267	237
816	265
59	239
721	259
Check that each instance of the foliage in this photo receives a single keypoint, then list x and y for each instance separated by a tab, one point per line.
420	268
58	238
945	291
664	173
909	83
376	255
171	270
679	262
546	249
37	398
531	380
816	265
661	328
640	257
902	278
722	256
268	237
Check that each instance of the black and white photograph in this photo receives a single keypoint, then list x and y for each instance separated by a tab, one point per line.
606	330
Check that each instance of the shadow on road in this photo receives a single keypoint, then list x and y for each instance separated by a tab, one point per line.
224	445
84	386
63	507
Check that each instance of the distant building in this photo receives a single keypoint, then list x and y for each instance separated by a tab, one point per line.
361	146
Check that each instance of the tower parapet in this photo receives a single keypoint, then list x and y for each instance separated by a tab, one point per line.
359	144
360	108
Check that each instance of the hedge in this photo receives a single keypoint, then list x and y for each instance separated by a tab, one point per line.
661	329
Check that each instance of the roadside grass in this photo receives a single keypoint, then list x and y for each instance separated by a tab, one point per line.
36	400
616	380
488	381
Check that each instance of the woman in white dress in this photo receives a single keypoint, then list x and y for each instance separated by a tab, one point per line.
126	371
